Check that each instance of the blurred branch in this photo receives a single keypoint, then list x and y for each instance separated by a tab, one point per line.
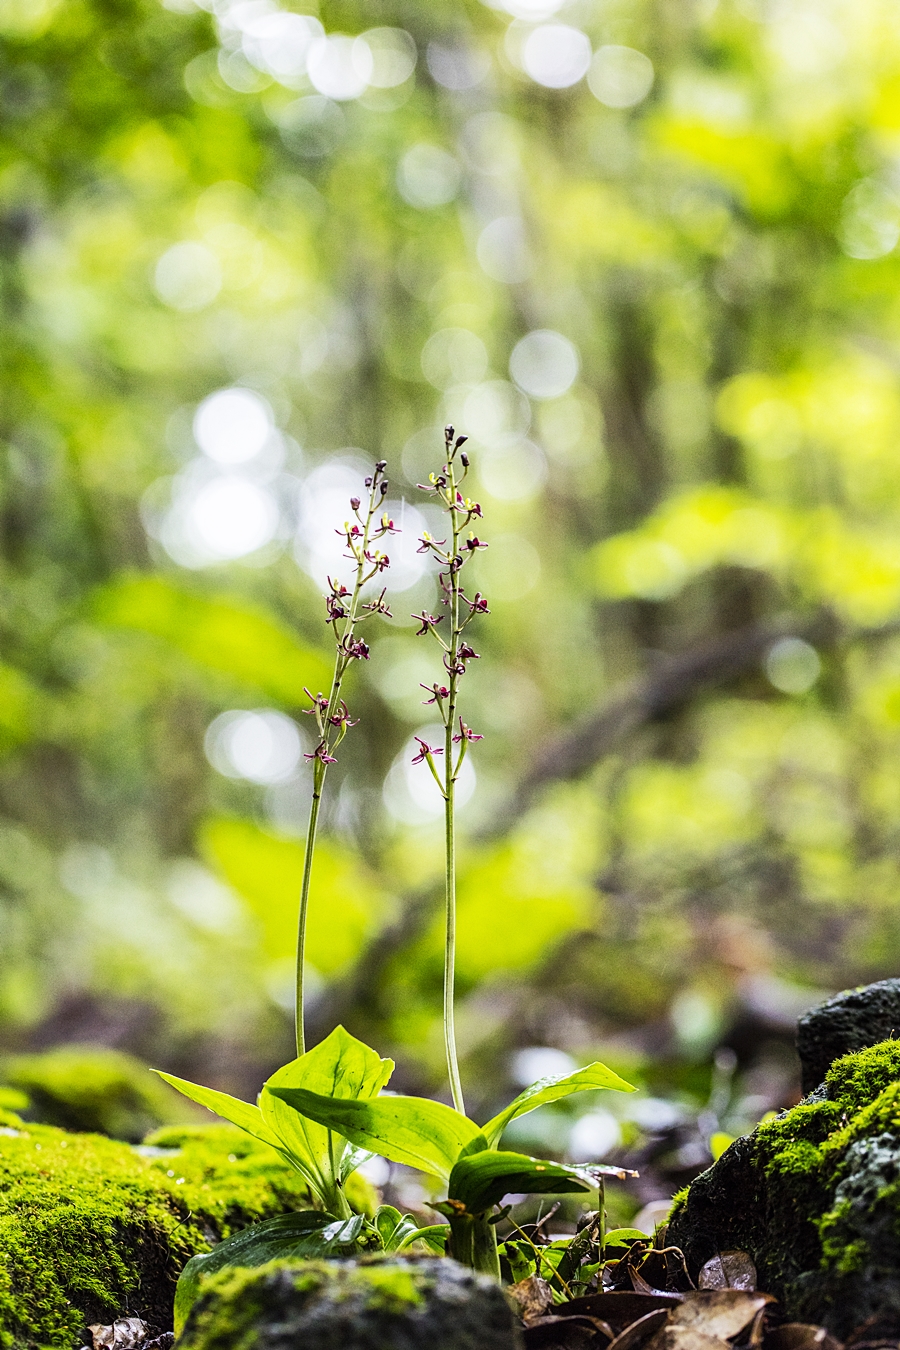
673	684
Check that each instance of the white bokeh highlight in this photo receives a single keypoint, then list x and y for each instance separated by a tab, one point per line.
232	426
188	276
261	746
620	77
340	67
793	665
544	364
556	55
503	252
279	44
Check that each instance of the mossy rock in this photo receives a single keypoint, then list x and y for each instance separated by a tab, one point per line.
92	1229
814	1197
92	1088
850	1021
378	1303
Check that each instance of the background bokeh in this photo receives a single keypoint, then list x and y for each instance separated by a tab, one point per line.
643	252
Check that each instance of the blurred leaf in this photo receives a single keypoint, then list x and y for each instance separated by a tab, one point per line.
719	1142
266	869
230	637
20	703
594	1076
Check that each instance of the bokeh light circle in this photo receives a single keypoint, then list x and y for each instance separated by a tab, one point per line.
232	426
544	364
556	55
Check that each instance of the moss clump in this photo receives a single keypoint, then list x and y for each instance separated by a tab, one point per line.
91	1228
814	1196
367	1305
91	1088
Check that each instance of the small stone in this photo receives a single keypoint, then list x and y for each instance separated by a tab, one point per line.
850	1021
411	1304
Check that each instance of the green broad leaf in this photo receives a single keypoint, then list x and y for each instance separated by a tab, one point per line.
396	1230
353	1158
308	1233
410	1130
338	1067
482	1179
551	1090
434	1235
248	1117
624	1237
387	1220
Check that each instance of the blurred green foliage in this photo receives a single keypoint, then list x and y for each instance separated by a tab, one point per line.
708	449
93	1089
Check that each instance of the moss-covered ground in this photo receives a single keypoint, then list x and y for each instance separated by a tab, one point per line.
91	1229
93	1088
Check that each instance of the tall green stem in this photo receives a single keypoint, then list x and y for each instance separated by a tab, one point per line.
299	1024
450	775
331	728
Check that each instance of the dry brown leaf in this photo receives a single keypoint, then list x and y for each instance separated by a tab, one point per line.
801	1336
640	1331
562	1333
120	1335
534	1297
618	1308
719	1313
728	1270
686	1338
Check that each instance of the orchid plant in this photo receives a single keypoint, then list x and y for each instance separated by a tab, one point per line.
326	1112
451	554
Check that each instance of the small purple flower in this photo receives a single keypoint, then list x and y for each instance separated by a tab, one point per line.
466	733
322	754
427	621
425	750
437	691
356	648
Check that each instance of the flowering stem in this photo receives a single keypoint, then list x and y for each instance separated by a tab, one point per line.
344	613
318	783
450	776
452	555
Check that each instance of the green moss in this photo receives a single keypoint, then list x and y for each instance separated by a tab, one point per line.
91	1228
679	1200
857	1079
226	1315
387	1288
93	1089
